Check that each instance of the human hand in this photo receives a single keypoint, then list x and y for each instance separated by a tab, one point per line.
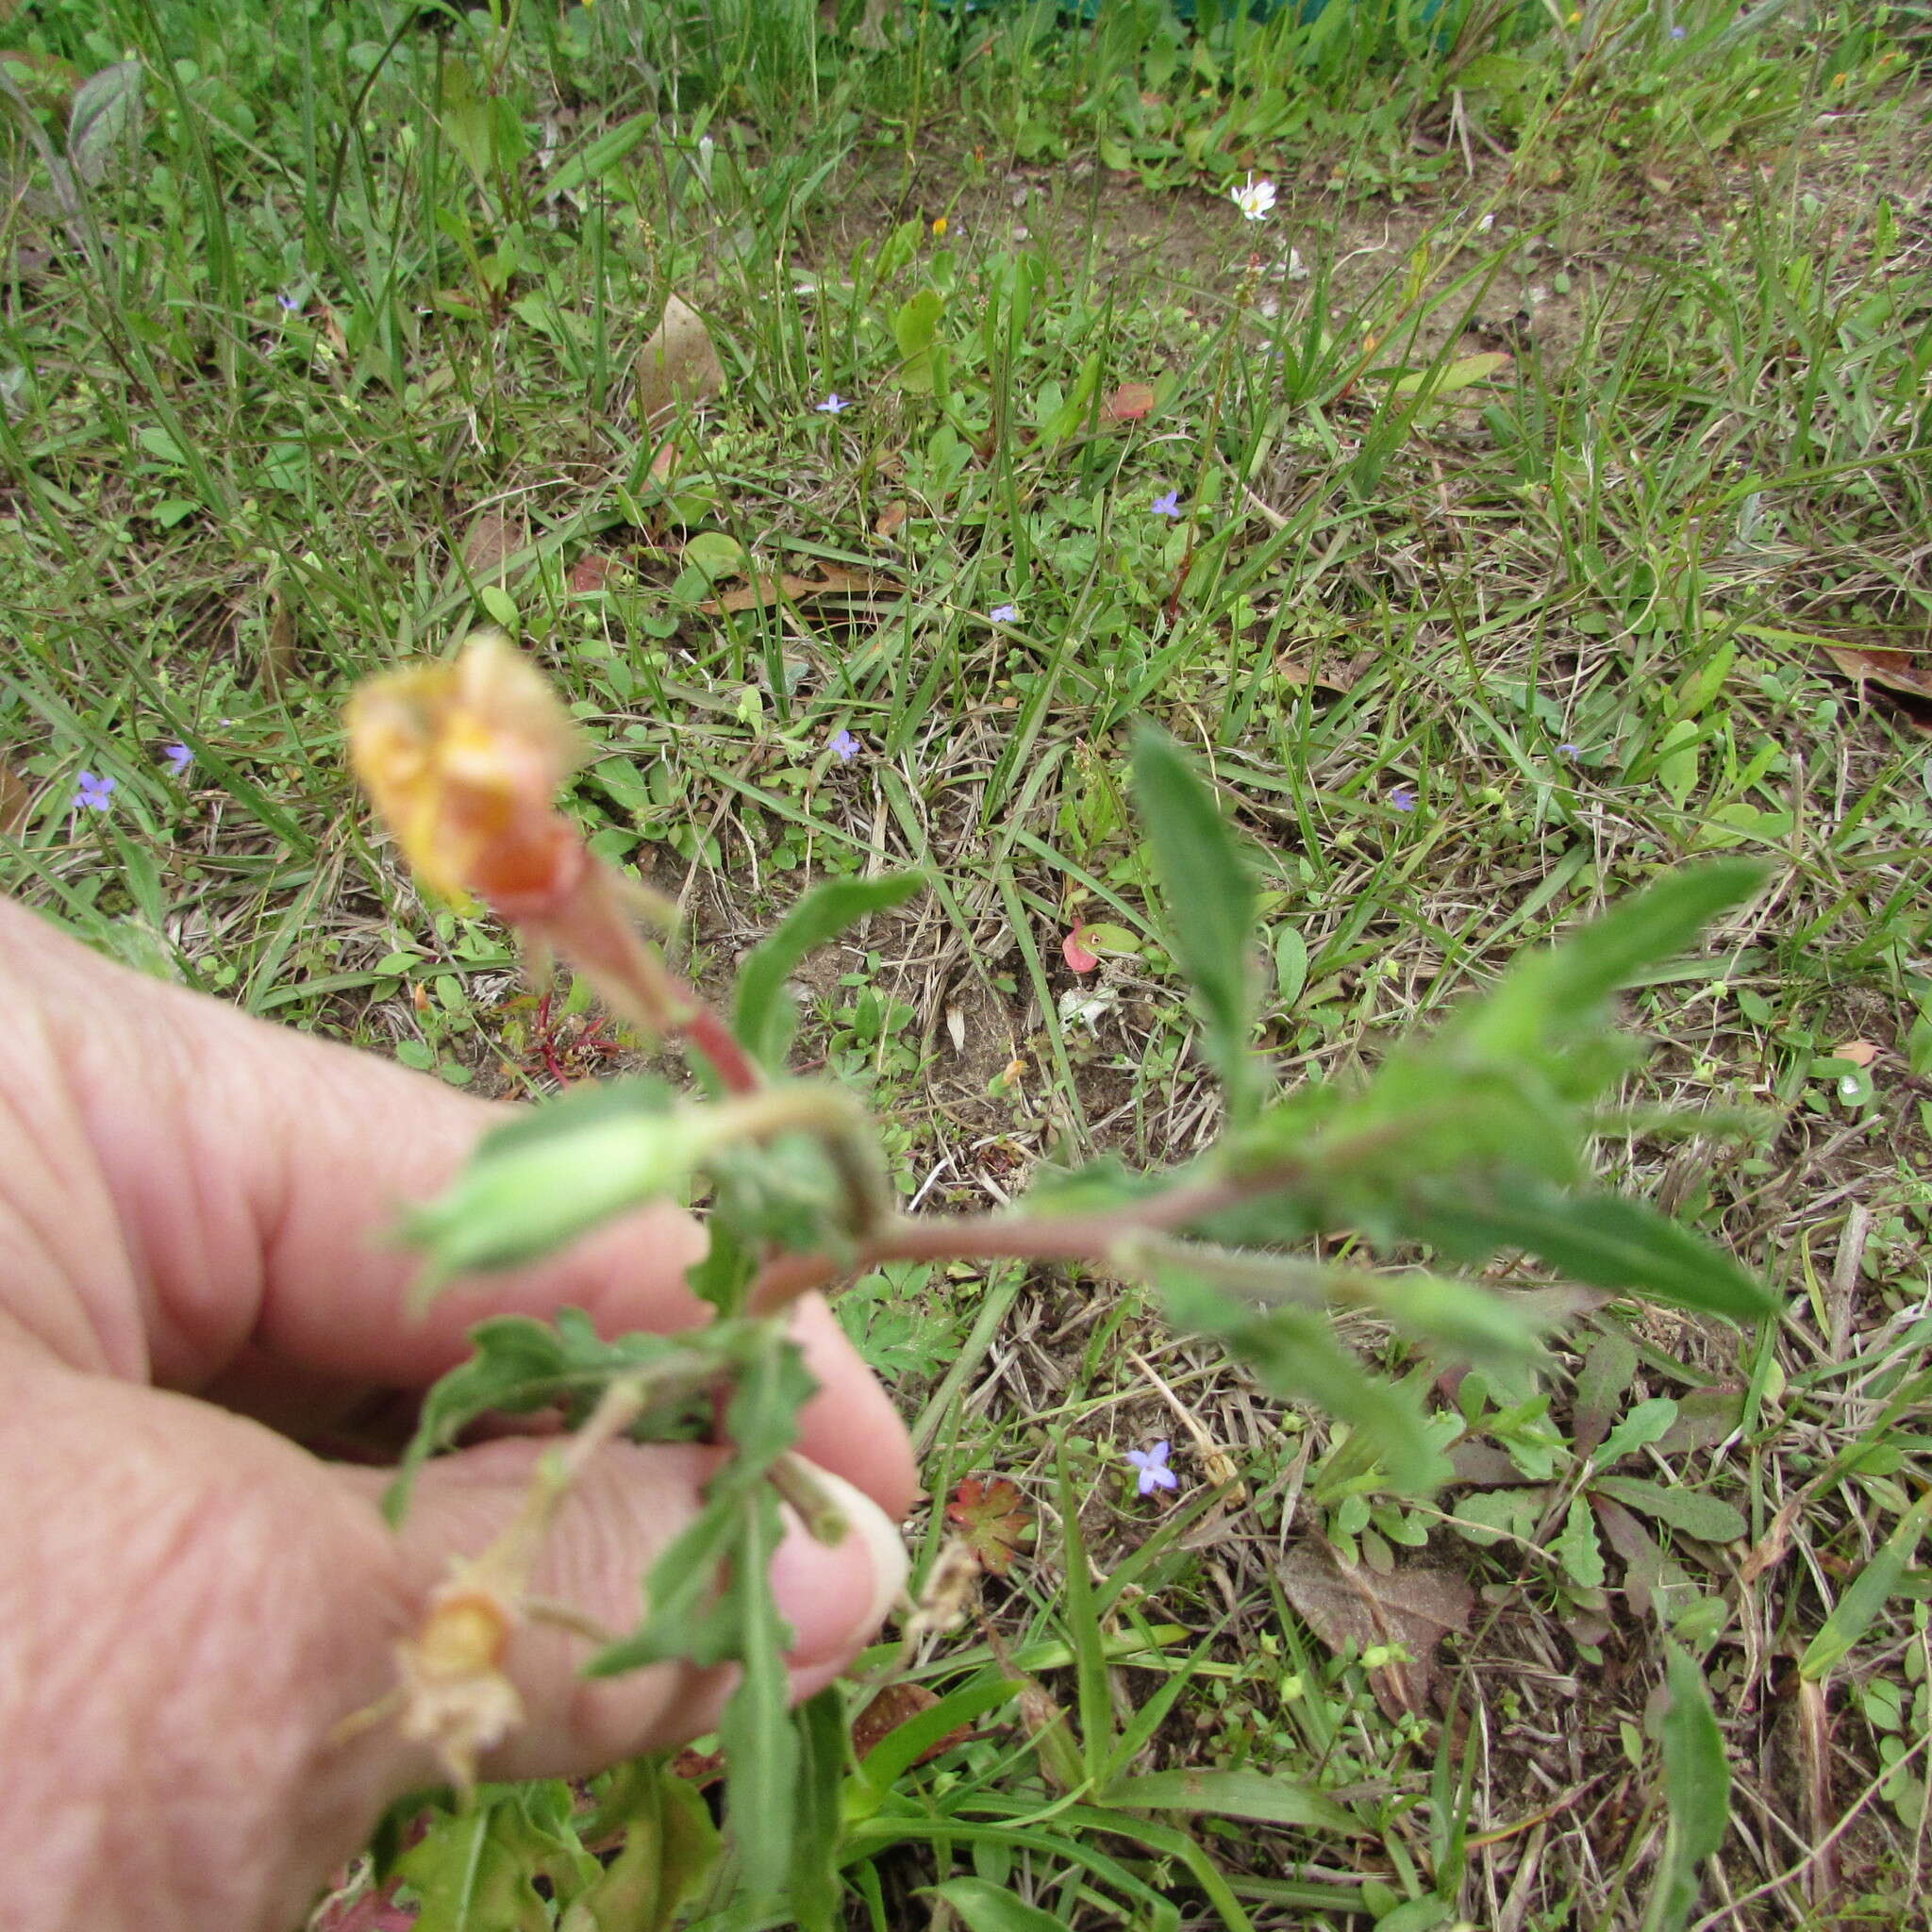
193	1211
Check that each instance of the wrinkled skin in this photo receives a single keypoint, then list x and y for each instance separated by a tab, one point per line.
193	1277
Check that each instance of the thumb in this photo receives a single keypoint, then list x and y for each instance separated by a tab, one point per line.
624	1507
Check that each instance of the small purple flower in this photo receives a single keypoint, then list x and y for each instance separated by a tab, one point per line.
846	746
1155	1473
1168	506
178	759
95	793
288	304
1678	33
1570	751
1402	798
1005	613
833	405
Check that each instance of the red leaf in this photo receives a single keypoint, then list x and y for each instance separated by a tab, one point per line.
590	572
1129	402
992	1518
1076	955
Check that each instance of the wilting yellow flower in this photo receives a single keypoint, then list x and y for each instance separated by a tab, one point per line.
463	759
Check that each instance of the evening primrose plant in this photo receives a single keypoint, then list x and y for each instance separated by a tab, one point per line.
1467	1143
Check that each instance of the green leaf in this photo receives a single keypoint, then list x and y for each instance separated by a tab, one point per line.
1697	1793
762	1016
1267	1799
762	1750
106	105
1599	1238
500	605
1293	1354
1577	1549
984	1907
474	1873
671	1847
1649	1422
1210	897
522	1365
1696	1513
915	328
1464	373
902	1746
1865	1595
1542	996
814	1896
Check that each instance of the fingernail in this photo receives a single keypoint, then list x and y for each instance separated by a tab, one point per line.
836	1595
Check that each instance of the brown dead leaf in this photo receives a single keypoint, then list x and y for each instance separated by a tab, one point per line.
492	539
1414	1607
890	519
678	364
1897	673
797	590
15	800
667	460
1128	403
1335	675
1861	1053
896	1705
280	659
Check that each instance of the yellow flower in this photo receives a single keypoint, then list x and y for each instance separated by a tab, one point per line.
940	225
463	759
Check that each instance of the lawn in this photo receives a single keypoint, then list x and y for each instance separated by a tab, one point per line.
1533	498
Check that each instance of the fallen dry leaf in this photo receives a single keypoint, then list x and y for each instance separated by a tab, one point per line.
1335	674
892	518
797	590
896	1705
279	655
667	460
1861	1053
1414	1607
678	364
492	539
1128	403
1898	673
15	799
992	1519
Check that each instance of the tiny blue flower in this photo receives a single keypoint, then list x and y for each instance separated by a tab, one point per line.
95	793
178	759
1570	751
1678	33
1402	798
846	746
833	405
1155	1473
288	304
1005	613
1168	506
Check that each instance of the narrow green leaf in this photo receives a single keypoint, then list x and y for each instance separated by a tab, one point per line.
819	1726
1649	1422
1599	1238
761	1749
1209	898
1549	993
1084	1634
1697	1793
1292	1352
1864	1596
763	1017
1256	1794
1577	1549
902	1746
984	1907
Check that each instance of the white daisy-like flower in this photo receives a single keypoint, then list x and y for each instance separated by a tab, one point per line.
1253	198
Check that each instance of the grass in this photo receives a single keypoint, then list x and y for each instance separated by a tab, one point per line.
328	349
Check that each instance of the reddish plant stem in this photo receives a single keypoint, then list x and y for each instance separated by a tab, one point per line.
996	1237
